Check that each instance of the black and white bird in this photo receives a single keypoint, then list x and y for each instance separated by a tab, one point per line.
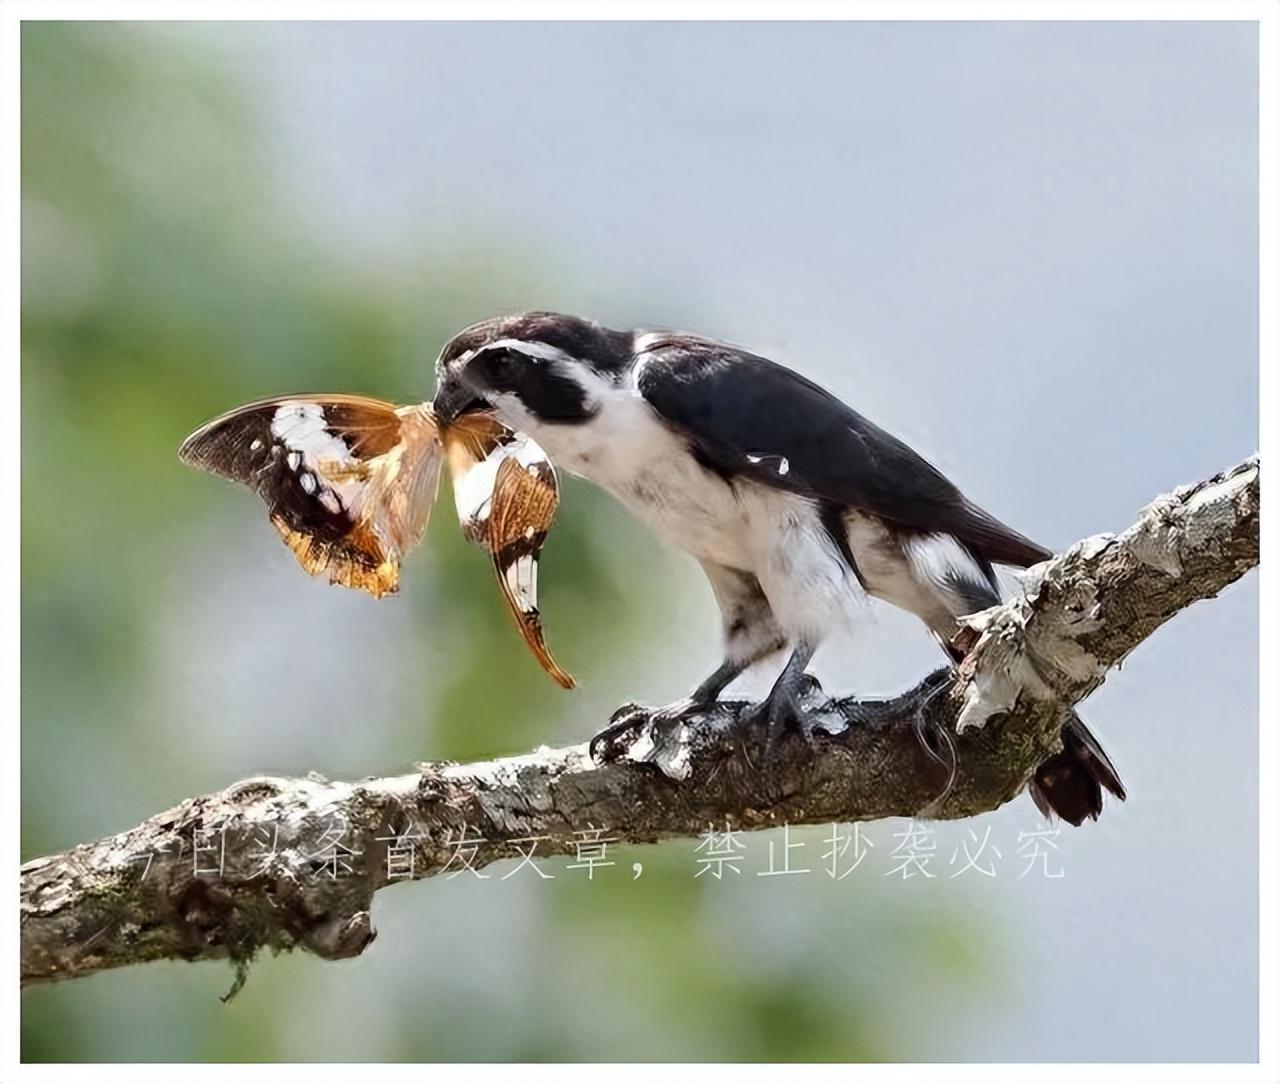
796	506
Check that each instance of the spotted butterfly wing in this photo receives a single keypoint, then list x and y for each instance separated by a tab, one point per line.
507	494
348	481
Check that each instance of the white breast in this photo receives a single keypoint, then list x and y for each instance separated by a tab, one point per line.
628	451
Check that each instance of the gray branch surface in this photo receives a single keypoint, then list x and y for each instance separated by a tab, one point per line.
287	863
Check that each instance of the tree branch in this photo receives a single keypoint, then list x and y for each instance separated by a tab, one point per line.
285	863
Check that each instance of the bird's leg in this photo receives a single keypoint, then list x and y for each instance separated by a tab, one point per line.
783	705
629	717
720	678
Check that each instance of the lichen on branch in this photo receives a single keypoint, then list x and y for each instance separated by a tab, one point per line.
283	863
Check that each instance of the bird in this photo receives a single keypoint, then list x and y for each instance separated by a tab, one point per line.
797	507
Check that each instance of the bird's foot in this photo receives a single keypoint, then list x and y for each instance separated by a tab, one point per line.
785	708
632	717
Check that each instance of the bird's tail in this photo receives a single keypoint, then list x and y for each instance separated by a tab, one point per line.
1070	783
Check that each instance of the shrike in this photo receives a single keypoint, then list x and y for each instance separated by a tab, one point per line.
796	506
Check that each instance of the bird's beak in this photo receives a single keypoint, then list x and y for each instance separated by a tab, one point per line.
454	399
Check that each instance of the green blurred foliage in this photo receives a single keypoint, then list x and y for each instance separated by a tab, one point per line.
164	280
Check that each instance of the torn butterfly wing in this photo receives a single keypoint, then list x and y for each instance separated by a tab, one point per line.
348	481
506	493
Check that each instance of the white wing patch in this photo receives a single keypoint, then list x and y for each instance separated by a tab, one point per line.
316	454
777	463
301	427
521	577
473	490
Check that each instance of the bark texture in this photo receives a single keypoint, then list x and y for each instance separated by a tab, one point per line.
286	863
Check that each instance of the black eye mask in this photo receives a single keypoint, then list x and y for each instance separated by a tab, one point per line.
545	392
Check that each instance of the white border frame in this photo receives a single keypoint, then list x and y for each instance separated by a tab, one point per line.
1260	11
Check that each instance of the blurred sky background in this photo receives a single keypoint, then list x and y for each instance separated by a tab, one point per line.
1028	249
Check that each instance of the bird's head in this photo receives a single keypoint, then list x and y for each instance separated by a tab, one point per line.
538	367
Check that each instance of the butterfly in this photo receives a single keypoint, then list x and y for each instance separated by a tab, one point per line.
349	483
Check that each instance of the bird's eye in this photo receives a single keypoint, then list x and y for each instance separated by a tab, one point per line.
503	367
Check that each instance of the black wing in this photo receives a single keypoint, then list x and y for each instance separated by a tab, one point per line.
746	415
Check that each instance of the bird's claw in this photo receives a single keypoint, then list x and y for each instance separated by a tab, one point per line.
779	712
784	709
660	722
625	719
808	687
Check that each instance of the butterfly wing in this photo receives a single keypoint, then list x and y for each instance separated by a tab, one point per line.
525	498
348	481
507	494
472	448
